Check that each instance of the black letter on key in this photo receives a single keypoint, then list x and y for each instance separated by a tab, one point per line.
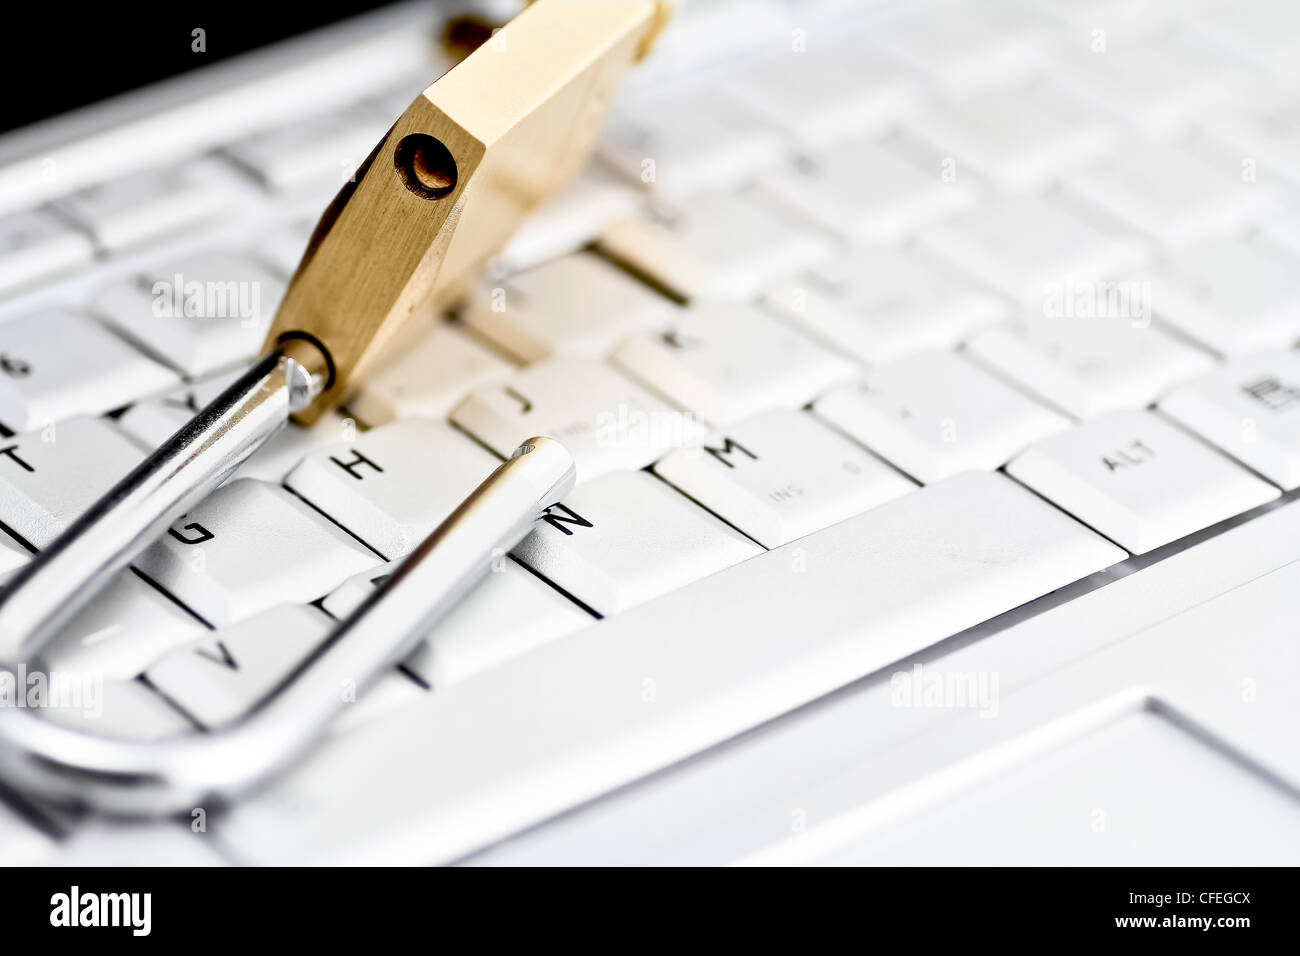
11	451
728	448
349	465
558	522
204	533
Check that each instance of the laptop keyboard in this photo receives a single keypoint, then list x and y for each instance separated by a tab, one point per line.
935	241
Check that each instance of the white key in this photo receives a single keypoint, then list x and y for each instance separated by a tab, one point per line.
1250	408
603	419
394	484
428	378
1171	194
282	249
567	222
879	306
627	537
1159	85
219	677
508	614
719	246
782	475
724	655
1088	365
577	305
865	193
392	691
935	414
961	48
155	420
36	245
1020	138
727	362
1138	480
321	152
681	143
125	629
56	364
818	100
247	547
1031	248
1233	296
200	314
287	447
145	206
48	478
124	708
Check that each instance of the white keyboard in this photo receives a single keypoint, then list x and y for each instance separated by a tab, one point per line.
865	327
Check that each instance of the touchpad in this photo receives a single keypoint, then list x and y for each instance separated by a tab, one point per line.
1138	790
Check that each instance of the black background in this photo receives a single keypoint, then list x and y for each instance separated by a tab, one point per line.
55	56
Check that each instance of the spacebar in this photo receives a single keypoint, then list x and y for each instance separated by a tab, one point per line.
578	717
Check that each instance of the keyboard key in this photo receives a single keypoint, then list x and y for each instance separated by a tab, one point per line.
1250	408
825	98
318	153
1171	194
145	206
1232	296
719	246
565	223
1138	480
509	613
392	691
283	450
627	537
577	305
727	362
219	677
604	420
394	484
36	245
56	364
781	475
124	708
282	249
49	477
581	716
200	314
864	193
247	547
961	48
1089	365
879	306
124	630
1158	85
681	143
428	378
1020	138
1032	248
936	414
155	420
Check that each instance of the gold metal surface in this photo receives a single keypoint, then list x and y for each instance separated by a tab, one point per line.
475	152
